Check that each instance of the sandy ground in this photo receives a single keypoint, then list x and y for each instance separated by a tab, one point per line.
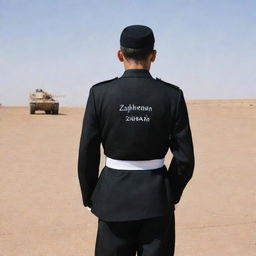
41	211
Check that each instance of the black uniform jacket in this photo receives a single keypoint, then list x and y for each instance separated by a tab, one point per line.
135	117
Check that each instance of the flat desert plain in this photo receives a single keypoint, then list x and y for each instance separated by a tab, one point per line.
41	211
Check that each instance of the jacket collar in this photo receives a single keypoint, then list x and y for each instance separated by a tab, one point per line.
136	73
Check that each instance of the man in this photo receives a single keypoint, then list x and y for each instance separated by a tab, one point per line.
137	119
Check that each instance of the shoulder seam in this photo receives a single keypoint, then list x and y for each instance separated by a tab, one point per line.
105	81
172	85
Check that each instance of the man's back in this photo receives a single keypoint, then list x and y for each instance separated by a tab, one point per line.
136	114
136	117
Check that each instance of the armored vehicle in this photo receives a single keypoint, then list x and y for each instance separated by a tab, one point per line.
41	100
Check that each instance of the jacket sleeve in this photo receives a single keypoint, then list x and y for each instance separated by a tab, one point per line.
89	151
181	167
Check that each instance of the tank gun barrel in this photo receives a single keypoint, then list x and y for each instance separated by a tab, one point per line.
61	95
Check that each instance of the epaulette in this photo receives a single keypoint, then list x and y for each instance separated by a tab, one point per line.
105	81
172	85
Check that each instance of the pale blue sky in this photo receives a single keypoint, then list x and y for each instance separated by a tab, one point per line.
206	47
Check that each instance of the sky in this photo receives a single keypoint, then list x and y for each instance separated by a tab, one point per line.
206	47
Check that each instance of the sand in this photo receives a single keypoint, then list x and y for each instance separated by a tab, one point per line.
41	211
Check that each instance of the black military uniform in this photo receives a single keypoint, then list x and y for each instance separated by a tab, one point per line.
136	118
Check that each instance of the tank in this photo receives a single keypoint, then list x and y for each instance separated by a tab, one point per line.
41	100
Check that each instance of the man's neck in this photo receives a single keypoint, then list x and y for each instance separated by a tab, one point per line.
134	65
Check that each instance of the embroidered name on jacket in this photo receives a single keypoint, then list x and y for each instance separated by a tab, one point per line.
131	117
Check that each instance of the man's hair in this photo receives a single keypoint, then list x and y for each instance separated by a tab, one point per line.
137	55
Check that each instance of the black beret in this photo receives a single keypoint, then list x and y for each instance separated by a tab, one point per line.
137	36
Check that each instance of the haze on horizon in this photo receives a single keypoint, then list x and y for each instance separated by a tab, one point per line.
207	48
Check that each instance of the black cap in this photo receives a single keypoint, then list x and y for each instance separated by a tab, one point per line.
137	36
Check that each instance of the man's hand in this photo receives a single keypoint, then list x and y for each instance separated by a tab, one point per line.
88	208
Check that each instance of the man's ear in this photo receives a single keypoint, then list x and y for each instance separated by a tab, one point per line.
120	55
153	55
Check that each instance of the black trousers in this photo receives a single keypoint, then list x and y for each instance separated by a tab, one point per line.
146	237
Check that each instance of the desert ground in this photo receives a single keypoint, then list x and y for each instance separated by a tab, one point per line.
41	211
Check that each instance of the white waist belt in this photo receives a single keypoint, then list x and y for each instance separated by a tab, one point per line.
134	164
